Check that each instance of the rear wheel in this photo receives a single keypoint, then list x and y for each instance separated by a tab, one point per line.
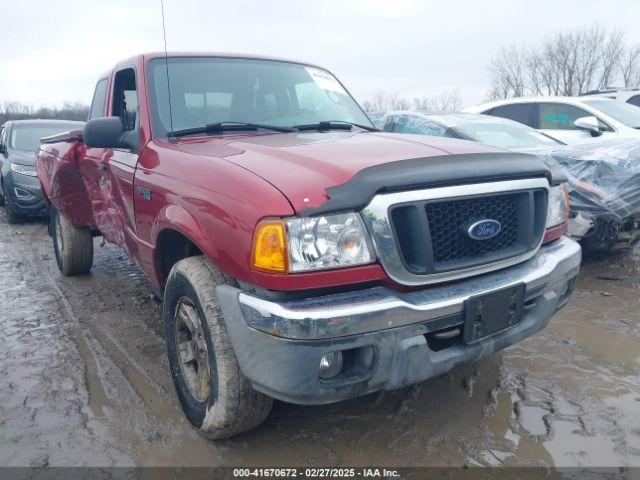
73	246
214	394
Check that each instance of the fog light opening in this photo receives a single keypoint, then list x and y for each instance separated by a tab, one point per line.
330	365
21	193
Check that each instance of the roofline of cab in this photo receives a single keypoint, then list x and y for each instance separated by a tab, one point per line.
248	56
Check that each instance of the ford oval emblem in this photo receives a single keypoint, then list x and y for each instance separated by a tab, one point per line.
484	229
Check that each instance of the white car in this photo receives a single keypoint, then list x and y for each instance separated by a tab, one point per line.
569	119
626	95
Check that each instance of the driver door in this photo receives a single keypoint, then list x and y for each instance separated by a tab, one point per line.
108	173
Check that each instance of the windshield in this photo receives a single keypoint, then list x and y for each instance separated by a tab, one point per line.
205	90
27	137
507	135
623	112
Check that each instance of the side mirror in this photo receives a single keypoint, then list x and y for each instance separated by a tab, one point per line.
105	132
589	124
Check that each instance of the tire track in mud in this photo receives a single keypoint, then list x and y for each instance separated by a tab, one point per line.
98	399
49	372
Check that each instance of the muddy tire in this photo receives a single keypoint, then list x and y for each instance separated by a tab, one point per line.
73	246
215	396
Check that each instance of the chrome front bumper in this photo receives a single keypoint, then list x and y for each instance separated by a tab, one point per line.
380	308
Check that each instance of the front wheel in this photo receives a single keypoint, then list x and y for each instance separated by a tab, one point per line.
73	246
601	239
214	394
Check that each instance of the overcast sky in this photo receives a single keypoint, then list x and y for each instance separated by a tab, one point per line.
52	51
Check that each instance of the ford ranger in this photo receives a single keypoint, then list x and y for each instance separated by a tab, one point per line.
301	254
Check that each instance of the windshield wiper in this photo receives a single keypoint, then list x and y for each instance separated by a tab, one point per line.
335	125
228	127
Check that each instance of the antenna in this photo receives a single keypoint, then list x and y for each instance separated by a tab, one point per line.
166	64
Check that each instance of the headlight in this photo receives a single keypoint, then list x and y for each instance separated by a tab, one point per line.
29	170
332	241
558	206
315	243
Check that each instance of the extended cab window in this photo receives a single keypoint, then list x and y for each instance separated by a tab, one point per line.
519	112
207	90
99	100
125	98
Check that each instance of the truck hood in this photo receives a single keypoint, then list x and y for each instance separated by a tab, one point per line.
303	165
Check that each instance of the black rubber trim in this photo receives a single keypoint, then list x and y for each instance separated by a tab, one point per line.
435	171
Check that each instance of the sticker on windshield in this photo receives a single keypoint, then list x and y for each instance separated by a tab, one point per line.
325	80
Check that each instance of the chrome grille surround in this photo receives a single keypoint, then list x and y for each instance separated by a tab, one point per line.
377	218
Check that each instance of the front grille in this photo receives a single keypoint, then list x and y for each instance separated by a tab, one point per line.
432	236
447	222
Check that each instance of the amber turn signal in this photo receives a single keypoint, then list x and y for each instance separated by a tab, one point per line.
269	252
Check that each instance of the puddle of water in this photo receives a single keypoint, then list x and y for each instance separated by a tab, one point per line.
98	399
531	418
572	447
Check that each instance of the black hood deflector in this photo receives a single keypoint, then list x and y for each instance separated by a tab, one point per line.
429	172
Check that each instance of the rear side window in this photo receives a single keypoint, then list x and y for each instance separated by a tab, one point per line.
519	112
99	100
635	100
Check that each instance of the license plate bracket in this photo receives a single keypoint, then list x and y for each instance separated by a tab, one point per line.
492	312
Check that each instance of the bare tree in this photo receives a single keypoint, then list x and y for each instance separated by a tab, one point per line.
629	66
449	101
565	63
612	51
11	110
508	69
381	101
401	104
542	77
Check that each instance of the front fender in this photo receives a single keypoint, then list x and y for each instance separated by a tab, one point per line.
176	218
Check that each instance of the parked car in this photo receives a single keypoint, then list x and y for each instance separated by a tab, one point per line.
626	95
604	184
289	236
569	119
19	188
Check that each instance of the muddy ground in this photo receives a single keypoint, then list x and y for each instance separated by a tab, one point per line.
84	381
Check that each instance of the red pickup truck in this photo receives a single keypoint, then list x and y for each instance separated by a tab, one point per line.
301	254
